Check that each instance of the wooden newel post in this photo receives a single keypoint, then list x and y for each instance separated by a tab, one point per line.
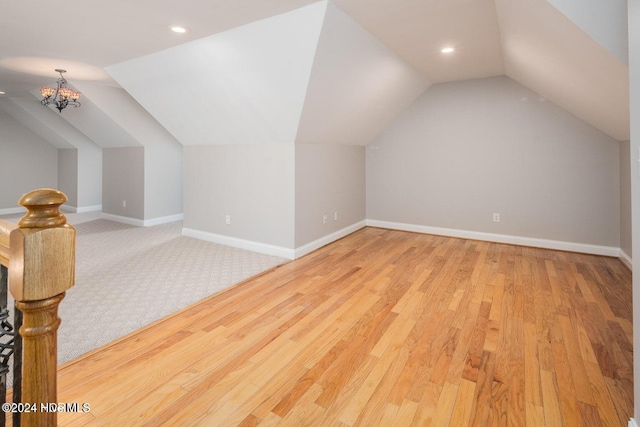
42	268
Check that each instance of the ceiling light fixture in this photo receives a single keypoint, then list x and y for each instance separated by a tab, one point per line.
178	29
447	50
62	96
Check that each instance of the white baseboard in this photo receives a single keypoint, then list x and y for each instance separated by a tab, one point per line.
163	220
316	244
123	219
234	242
81	209
501	238
143	223
79	218
626	259
11	211
272	249
633	423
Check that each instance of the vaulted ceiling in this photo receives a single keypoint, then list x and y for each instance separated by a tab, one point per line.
542	44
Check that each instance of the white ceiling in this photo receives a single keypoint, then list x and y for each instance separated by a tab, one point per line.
248	83
97	34
527	40
418	30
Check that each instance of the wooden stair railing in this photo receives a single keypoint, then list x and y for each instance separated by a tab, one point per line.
40	256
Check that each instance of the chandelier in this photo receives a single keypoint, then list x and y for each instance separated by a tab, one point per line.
61	96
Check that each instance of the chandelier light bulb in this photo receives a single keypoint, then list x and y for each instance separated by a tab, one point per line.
46	92
64	92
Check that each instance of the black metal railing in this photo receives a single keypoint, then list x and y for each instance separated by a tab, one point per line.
10	349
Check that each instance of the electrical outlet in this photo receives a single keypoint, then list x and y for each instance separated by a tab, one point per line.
496	217
227	219
124	203
335	216
325	218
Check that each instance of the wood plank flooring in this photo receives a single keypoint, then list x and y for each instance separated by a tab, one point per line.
382	328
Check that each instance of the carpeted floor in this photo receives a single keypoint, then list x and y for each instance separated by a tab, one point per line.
128	277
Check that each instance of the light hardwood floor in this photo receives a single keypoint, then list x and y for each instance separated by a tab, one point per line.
381	328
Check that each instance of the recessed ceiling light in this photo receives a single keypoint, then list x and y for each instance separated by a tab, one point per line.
178	29
2	92
447	50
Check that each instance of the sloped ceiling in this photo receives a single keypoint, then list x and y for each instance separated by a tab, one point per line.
546	52
84	36
418	30
94	123
357	87
605	21
528	40
247	85
312	75
30	113
127	114
90	126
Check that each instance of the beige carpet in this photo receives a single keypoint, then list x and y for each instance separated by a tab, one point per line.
128	277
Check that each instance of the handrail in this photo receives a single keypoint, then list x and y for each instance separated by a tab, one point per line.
41	265
9	335
5	230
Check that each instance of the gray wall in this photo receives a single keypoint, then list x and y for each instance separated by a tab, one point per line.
68	174
89	175
80	175
162	179
328	179
625	197
27	162
466	150
162	152
254	184
123	179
